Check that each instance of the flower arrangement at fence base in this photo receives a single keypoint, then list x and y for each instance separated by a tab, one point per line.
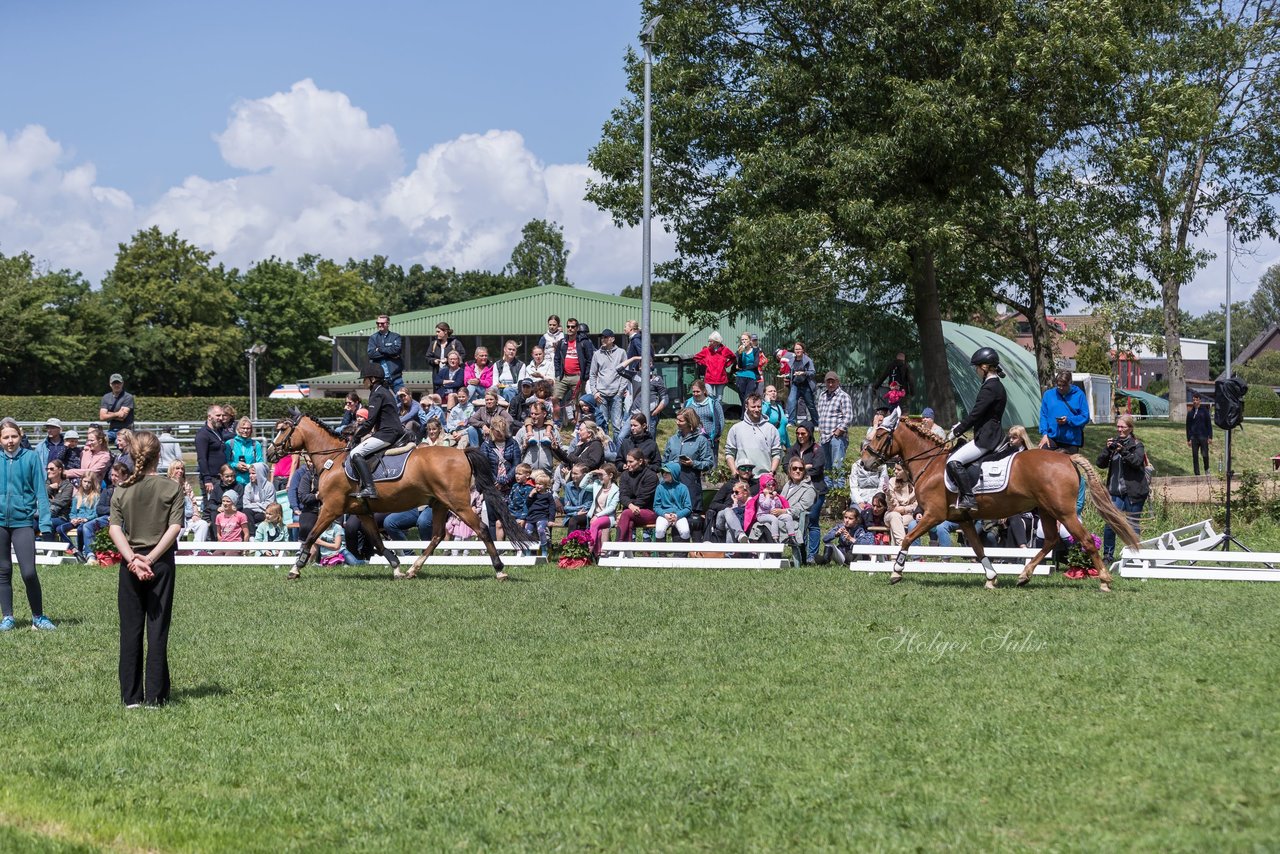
104	549
1079	564
575	550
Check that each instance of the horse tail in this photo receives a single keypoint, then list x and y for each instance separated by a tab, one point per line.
1118	521
495	500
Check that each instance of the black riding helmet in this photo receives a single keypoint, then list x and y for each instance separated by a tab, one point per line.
986	356
371	370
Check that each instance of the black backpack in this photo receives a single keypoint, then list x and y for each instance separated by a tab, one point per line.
1228	399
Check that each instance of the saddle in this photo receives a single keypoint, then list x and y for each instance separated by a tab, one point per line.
387	464
989	473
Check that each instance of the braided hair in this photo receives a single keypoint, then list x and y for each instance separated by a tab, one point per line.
145	448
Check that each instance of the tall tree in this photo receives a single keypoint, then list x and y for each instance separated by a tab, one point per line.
179	317
808	151
1198	138
540	257
59	333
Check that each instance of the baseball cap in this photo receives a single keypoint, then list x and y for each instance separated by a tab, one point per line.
606	333
53	422
71	434
115	378
832	375
928	412
746	465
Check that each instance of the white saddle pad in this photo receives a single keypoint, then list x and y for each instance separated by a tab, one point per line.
995	476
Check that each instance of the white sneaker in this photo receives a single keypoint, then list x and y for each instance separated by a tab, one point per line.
742	538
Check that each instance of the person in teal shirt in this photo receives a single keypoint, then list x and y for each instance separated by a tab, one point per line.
24	507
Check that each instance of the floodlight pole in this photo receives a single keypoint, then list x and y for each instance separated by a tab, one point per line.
646	288
253	353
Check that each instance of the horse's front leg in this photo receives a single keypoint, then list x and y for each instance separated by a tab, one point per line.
975	543
923	527
307	550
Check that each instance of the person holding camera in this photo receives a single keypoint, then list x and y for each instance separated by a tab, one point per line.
1125	460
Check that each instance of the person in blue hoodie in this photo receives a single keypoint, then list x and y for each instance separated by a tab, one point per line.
23	511
1064	410
671	504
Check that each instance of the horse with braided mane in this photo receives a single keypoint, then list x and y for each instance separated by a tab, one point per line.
437	476
1045	481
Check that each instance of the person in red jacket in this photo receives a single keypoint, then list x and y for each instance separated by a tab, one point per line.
718	361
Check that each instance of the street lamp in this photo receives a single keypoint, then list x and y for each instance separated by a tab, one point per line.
253	353
646	288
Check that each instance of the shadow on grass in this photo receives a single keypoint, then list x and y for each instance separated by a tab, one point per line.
199	692
421	576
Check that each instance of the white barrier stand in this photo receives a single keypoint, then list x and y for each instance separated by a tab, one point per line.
49	554
942	559
631	555
1193	565
1197	537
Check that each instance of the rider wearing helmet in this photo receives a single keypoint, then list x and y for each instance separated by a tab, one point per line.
379	430
984	419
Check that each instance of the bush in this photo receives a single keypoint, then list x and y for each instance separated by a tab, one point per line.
38	408
1261	402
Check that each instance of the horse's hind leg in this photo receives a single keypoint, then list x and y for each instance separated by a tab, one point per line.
1050	525
439	516
370	528
1077	530
975	543
472	521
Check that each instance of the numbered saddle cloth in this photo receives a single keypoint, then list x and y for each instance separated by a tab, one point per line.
995	476
389	467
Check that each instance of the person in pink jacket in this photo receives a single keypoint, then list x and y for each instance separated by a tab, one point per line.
479	374
768	512
718	360
95	458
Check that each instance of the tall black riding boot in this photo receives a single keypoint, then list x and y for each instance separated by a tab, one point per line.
361	466
964	493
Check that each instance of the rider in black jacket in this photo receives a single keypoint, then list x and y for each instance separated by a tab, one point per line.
984	419
379	431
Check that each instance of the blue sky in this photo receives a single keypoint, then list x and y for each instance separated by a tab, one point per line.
429	132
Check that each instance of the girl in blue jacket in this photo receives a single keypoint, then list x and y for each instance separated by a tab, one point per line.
24	506
671	504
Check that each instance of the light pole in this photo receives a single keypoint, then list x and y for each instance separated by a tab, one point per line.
646	294
253	353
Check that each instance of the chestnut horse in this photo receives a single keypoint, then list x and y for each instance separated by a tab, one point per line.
436	476
1047	481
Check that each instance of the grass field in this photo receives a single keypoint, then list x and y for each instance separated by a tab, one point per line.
809	709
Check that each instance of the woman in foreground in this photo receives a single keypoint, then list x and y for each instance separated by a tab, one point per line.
146	517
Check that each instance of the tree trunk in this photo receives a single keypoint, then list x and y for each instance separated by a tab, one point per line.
933	347
1041	334
1170	286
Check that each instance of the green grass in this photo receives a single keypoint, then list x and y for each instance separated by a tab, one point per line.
650	710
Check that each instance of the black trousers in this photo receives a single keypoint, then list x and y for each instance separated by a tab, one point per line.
1199	449
146	605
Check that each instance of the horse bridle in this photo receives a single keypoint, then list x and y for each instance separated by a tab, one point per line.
882	458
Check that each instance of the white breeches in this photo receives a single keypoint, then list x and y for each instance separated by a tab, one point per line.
966	454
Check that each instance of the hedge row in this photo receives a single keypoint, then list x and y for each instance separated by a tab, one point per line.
1261	402
38	408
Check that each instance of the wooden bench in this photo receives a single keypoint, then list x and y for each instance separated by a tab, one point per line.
472	554
943	559
619	555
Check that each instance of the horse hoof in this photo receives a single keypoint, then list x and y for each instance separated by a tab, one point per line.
397	574
1022	581
413	573
991	584
1104	587
501	576
895	577
293	575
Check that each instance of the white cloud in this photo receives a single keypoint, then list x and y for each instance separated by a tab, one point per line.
60	215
